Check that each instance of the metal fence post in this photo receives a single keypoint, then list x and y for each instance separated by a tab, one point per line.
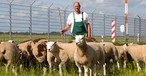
104	26
135	31
92	23
31	20
10	31
65	21
49	21
139	28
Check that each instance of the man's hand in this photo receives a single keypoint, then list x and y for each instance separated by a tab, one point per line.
88	39
61	31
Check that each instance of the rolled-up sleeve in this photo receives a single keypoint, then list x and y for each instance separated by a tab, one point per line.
69	20
87	18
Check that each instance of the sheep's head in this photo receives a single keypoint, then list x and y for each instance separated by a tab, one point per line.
50	46
79	40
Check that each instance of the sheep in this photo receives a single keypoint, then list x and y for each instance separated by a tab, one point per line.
25	48
88	55
39	51
9	54
63	52
122	55
12	41
110	54
137	52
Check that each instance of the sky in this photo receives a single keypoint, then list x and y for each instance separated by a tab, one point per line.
111	7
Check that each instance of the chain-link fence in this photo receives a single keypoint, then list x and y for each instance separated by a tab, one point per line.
29	22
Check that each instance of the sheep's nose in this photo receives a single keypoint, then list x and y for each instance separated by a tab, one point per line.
48	49
77	43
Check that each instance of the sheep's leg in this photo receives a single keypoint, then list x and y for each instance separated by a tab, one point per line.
20	67
118	65
60	68
50	67
104	69
138	67
108	67
124	64
14	71
79	68
125	60
44	70
7	66
94	70
86	70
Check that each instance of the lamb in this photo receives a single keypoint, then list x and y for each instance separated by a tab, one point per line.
88	55
25	48
9	54
110	53
39	51
63	52
122	55
137	52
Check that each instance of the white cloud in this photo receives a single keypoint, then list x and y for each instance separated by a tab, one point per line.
143	2
100	12
99	1
2	16
21	13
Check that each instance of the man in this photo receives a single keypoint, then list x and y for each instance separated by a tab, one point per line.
78	21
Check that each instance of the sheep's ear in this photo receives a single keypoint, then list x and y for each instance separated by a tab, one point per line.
55	42
127	44
44	43
73	34
84	35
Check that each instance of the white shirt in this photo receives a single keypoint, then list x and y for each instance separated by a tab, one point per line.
78	18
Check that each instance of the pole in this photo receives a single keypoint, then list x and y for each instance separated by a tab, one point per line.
92	21
126	21
10	31
49	21
31	19
139	28
65	21
113	31
62	37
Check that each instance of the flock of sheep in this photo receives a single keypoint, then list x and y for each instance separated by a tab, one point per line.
89	55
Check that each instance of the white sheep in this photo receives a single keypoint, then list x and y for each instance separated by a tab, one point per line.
138	54
88	55
9	54
110	54
63	52
122	56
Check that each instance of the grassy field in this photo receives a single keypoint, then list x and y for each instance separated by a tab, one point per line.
22	37
39	71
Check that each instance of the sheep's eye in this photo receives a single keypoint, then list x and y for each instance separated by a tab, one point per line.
82	38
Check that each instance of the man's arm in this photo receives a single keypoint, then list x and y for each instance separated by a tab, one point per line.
88	30
65	28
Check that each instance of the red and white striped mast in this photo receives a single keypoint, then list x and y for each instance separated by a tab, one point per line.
126	20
